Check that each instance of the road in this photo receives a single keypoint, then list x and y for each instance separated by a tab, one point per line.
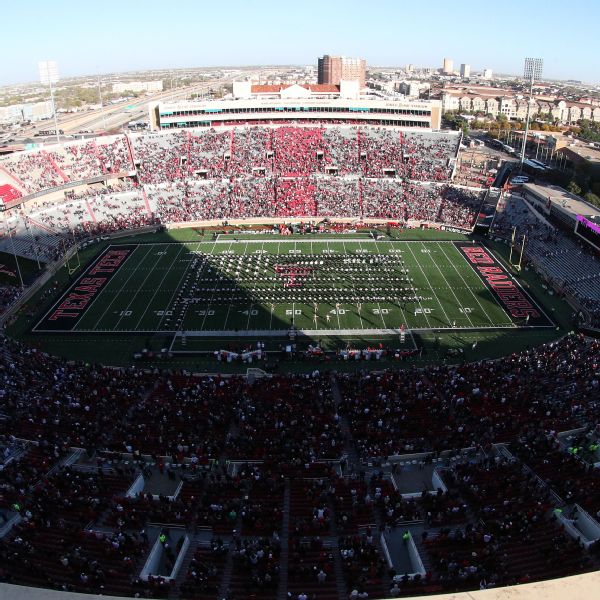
116	115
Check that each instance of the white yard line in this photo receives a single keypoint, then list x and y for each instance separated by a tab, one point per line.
133	272
274	288
467	285
177	287
351	281
212	295
412	287
449	287
397	299
370	271
189	304
245	290
431	287
158	287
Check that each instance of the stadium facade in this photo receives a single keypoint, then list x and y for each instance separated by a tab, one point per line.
312	109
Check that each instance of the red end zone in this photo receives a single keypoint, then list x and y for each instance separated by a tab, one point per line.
517	303
67	312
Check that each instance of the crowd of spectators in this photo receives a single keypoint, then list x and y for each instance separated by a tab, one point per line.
79	530
566	263
363	564
567	473
291	151
473	404
8	294
515	537
38	170
284	172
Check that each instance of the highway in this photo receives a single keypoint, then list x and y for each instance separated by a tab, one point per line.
116	115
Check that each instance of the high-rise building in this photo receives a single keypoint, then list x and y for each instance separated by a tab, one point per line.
465	71
448	67
487	73
332	69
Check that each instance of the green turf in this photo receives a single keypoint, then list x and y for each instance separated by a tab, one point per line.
229	287
150	282
9	269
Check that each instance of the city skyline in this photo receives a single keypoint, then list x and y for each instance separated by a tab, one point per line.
138	36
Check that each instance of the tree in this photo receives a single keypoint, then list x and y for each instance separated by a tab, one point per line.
574	188
593	199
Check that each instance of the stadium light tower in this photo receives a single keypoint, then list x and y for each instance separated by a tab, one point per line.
48	75
531	71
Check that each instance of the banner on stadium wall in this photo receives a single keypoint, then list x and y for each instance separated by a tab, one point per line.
455	229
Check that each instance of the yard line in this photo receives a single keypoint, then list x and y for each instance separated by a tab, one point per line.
157	287
451	289
274	286
151	246
413	287
351	281
397	300
245	291
189	304
177	287
336	312
271	302
378	305
214	286
467	285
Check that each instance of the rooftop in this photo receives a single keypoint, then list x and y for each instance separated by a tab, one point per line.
585	152
313	87
560	197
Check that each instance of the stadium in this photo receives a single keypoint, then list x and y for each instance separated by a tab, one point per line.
290	359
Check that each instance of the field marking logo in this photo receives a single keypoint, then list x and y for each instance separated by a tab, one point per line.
293	275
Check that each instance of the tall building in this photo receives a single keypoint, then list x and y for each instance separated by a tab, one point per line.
487	73
332	69
448	67
465	71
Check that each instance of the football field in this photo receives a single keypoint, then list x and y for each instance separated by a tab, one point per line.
316	286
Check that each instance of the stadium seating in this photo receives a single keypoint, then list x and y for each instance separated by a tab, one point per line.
79	529
568	265
282	485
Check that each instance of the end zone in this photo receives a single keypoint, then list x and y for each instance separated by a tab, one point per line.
522	309
72	305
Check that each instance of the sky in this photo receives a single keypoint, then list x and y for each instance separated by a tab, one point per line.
90	37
